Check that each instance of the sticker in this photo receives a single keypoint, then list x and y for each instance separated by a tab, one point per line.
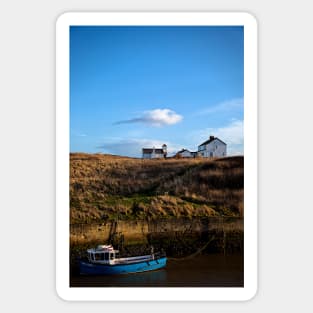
156	124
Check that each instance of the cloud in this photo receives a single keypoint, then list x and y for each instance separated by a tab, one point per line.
157	117
232	134
225	106
133	147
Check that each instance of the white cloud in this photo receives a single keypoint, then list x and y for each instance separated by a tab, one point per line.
157	117
232	134
225	106
161	117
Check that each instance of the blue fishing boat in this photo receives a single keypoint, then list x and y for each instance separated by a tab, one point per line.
105	260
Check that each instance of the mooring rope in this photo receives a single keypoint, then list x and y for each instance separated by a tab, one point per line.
193	254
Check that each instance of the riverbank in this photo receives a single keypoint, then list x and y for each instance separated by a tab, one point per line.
178	238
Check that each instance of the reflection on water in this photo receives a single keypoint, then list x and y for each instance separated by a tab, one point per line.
153	278
201	271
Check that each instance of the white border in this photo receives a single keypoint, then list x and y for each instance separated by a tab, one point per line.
62	156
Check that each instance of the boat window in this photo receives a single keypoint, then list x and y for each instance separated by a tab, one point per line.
97	256
111	256
106	256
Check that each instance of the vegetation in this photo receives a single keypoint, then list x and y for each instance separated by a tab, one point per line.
106	187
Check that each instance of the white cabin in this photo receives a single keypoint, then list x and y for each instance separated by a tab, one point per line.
153	153
103	254
213	147
107	255
185	153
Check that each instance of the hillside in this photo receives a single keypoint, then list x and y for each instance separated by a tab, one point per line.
105	187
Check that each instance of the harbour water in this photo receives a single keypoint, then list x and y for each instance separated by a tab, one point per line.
211	270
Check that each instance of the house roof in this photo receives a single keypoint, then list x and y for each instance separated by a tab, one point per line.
150	150
212	139
183	150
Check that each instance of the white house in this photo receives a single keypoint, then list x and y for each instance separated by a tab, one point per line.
153	153
185	153
213	147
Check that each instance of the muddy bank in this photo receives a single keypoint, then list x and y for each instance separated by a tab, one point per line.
177	237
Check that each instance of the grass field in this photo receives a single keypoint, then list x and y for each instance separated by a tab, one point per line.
106	187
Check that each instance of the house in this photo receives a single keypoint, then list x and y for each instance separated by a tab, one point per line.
213	147
185	153
153	153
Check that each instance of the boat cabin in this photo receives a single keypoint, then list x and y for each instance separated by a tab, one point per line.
103	254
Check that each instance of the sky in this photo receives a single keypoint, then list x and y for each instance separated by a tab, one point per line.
134	87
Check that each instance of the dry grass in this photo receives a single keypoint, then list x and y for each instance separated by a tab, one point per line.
106	187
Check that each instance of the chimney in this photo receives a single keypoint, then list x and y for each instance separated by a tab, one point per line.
211	137
164	147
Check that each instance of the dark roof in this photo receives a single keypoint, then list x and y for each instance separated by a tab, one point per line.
149	150
210	140
183	150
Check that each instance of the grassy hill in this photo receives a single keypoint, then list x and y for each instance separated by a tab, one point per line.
105	187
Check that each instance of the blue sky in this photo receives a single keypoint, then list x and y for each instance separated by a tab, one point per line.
139	86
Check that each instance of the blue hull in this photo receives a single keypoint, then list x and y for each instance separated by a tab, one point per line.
102	269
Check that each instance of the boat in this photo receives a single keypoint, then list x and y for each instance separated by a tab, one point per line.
105	260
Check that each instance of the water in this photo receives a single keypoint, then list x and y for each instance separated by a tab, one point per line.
214	270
